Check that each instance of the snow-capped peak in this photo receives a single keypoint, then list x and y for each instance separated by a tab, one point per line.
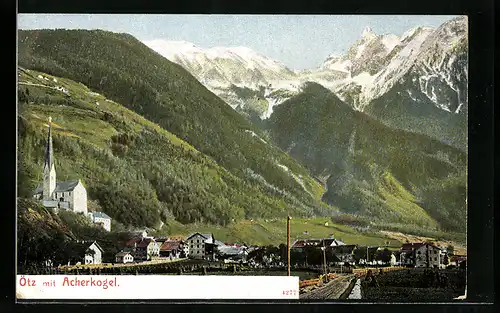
368	34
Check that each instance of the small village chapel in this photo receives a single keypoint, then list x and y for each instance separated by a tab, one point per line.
69	195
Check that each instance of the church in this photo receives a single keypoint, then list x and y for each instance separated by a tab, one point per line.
68	195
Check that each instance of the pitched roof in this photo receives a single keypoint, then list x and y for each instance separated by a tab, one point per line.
219	243
100	215
170	245
306	242
181	238
132	241
144	242
122	254
97	245
343	249
69	185
162	239
416	245
61	186
411	246
206	236
83	246
332	242
232	250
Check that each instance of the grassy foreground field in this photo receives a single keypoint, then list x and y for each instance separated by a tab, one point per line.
273	232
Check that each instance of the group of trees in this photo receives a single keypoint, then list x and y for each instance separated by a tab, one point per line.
48	239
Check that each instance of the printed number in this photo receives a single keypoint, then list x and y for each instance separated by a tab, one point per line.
289	292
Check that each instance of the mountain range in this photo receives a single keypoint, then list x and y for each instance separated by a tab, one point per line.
415	82
224	134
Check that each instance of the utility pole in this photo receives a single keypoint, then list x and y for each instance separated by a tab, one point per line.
288	243
367	255
324	256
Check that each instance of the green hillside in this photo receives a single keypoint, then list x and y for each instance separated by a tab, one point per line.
273	232
370	169
134	170
124	70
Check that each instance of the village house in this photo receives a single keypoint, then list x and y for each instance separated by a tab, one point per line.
172	249
100	218
124	257
201	246
68	195
420	255
343	253
143	249
233	252
90	251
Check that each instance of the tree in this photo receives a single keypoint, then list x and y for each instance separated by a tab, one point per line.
446	261
383	255
450	249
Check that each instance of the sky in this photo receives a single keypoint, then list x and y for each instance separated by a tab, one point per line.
298	41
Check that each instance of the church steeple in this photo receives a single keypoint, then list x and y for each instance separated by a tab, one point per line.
49	171
49	153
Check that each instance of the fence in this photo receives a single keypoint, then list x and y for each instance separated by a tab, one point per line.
316	281
360	272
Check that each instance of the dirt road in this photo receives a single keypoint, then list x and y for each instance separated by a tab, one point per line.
332	290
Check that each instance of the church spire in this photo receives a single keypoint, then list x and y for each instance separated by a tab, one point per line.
49	171
49	154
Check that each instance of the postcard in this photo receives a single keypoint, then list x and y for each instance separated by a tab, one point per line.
188	157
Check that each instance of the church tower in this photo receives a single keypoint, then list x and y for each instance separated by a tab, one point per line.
49	171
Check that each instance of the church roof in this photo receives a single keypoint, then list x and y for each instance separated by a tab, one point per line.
61	186
66	185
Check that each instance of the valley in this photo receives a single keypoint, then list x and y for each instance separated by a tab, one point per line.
176	138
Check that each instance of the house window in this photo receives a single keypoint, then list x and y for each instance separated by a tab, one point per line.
198	241
198	246
435	259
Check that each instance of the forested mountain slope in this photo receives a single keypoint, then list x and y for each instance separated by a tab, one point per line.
134	170
369	168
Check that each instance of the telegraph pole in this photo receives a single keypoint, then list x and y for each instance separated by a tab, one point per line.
288	243
324	256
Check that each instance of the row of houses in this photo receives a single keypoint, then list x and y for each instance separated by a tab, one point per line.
410	254
142	247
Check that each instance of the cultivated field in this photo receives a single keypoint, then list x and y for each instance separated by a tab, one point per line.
416	285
